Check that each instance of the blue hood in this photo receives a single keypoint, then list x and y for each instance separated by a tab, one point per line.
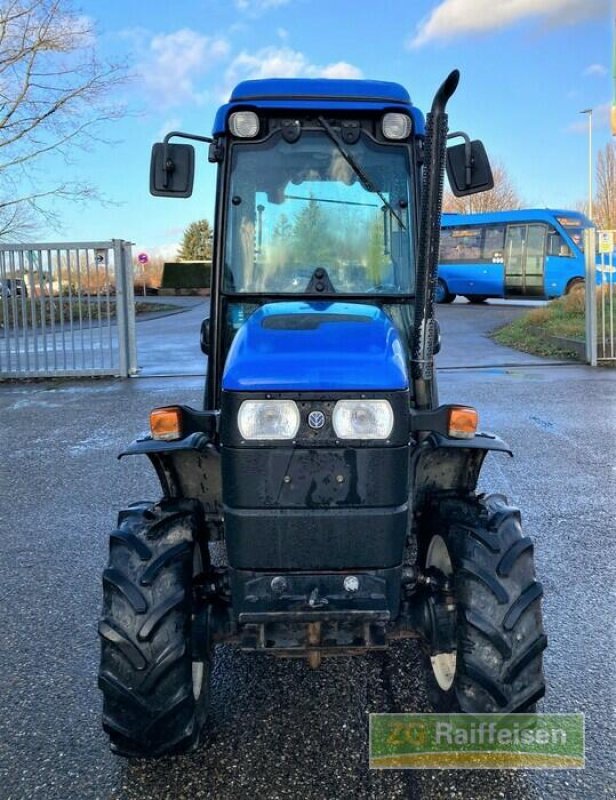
317	346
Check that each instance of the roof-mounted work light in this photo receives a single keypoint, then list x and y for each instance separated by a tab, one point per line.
396	126
244	124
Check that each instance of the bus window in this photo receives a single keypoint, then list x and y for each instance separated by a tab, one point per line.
447	244
578	239
461	244
556	245
494	242
575	229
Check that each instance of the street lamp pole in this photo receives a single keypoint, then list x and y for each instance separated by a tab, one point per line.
589	112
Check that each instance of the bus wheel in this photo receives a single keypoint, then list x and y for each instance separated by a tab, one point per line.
476	298
576	286
443	295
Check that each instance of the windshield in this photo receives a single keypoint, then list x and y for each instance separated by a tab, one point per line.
575	225
299	210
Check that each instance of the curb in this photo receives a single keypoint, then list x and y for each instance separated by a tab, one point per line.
575	346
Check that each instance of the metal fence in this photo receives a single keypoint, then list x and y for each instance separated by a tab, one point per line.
67	310
600	305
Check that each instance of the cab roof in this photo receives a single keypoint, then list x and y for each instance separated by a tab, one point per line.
319	94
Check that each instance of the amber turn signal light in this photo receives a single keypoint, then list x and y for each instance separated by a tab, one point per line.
462	422
166	423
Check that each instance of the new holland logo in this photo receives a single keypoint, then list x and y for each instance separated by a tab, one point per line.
316	420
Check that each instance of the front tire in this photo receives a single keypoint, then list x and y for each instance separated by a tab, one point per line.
155	694
442	293
497	663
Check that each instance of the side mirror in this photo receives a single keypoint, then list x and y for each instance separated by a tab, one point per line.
172	170
204	337
468	167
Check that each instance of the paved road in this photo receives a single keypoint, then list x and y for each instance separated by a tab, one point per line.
279	730
169	345
465	333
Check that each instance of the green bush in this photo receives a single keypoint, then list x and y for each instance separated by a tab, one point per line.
187	275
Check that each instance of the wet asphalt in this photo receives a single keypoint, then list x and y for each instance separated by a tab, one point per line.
278	729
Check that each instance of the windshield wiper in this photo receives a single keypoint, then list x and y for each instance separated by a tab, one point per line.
329	200
367	182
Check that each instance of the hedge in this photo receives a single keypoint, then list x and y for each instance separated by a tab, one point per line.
187	275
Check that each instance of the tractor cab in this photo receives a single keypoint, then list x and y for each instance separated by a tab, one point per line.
321	206
320	203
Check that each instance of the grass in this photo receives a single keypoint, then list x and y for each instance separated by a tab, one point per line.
532	332
48	310
517	335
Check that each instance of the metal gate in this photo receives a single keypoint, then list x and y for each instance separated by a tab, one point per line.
67	310
599	247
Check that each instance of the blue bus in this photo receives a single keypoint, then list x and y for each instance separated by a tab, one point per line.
530	253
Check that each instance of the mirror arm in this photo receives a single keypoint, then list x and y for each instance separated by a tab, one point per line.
169	165
468	158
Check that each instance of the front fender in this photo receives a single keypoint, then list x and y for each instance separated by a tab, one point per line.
441	464
188	467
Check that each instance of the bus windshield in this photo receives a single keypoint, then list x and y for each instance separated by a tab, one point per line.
295	207
574	226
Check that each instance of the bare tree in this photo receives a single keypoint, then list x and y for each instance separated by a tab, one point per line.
53	99
502	197
604	202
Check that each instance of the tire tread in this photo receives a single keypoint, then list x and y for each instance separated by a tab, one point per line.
149	708
500	631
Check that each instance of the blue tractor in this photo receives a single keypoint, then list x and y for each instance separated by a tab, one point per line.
345	495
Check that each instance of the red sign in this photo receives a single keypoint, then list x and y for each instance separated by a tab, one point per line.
143	258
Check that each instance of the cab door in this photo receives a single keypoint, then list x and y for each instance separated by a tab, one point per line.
525	260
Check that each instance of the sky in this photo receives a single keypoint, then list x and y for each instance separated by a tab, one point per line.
528	67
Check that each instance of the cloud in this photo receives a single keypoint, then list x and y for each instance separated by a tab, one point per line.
283	62
595	69
175	60
454	18
341	69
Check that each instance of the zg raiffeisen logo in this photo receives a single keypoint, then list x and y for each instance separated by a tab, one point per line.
413	734
478	741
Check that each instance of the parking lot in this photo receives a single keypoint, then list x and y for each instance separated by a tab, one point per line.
277	729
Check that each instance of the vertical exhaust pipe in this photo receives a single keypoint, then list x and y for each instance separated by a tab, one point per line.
422	357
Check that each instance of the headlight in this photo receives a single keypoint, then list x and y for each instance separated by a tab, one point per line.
244	124
363	419
396	126
268	419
